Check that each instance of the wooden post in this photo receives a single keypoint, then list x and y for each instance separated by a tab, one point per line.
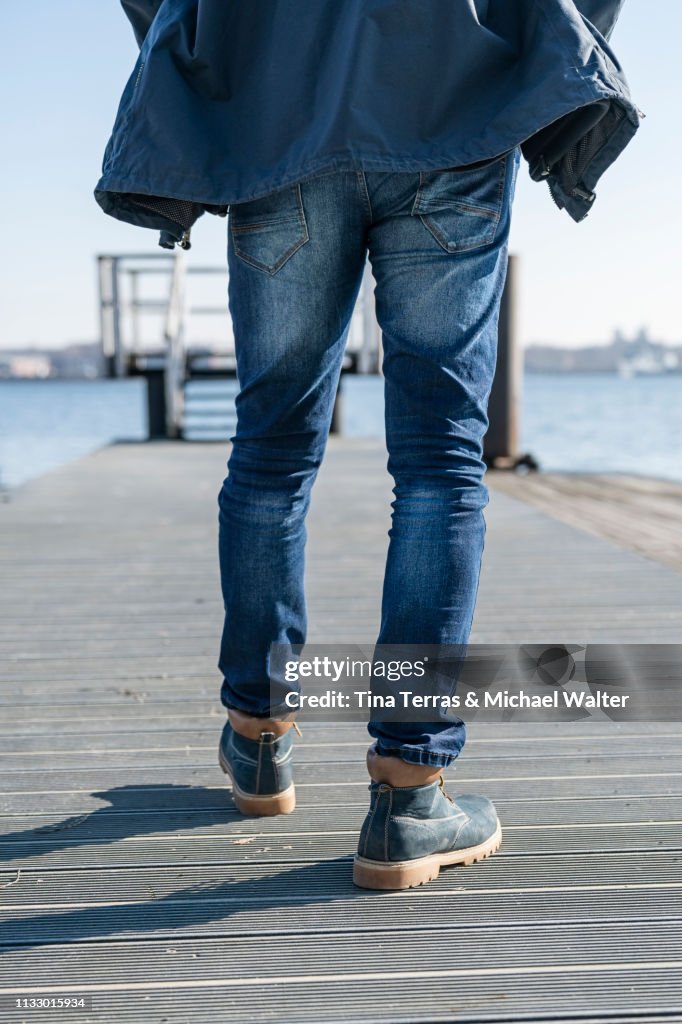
110	316
336	423
156	404
368	355
174	334
501	446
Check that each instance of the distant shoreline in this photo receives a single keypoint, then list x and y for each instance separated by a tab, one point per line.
531	370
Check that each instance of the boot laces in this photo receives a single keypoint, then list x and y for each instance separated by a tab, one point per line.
441	785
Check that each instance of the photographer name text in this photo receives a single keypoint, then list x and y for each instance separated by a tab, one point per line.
405	699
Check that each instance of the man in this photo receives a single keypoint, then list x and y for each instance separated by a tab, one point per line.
333	131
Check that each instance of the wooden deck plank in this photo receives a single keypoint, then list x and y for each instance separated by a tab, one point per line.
255	883
520	946
642	515
339	767
350	969
182	917
222	846
179	742
97	821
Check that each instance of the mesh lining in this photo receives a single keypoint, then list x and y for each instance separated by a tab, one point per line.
581	155
567	147
180	211
589	146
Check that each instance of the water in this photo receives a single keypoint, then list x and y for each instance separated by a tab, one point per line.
603	423
44	424
571	422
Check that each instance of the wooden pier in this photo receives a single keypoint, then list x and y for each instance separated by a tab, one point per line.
128	878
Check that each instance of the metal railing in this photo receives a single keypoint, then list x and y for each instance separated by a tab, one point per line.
122	279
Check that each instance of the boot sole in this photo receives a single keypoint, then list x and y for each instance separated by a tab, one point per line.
372	874
261	806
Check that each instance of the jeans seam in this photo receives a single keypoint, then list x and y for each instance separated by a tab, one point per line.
417	199
424	757
364	192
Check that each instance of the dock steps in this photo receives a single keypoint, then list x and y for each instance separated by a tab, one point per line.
209	412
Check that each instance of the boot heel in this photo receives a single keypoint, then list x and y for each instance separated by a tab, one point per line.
261	806
369	874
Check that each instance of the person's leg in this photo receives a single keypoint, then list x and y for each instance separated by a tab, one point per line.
438	248
296	259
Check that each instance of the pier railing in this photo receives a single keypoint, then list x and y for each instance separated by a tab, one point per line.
169	360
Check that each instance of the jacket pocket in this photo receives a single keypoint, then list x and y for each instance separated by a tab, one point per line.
266	232
462	208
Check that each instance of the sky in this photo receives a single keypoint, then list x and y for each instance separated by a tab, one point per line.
65	65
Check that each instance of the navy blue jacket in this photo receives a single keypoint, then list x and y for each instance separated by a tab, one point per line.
232	99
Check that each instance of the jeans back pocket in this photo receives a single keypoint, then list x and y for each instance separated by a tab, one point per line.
266	232
462	207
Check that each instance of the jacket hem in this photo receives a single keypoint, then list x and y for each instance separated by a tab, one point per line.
114	191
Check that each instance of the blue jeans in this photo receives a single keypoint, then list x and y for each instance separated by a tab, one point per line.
437	243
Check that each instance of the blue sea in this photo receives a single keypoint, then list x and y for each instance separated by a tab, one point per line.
570	422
